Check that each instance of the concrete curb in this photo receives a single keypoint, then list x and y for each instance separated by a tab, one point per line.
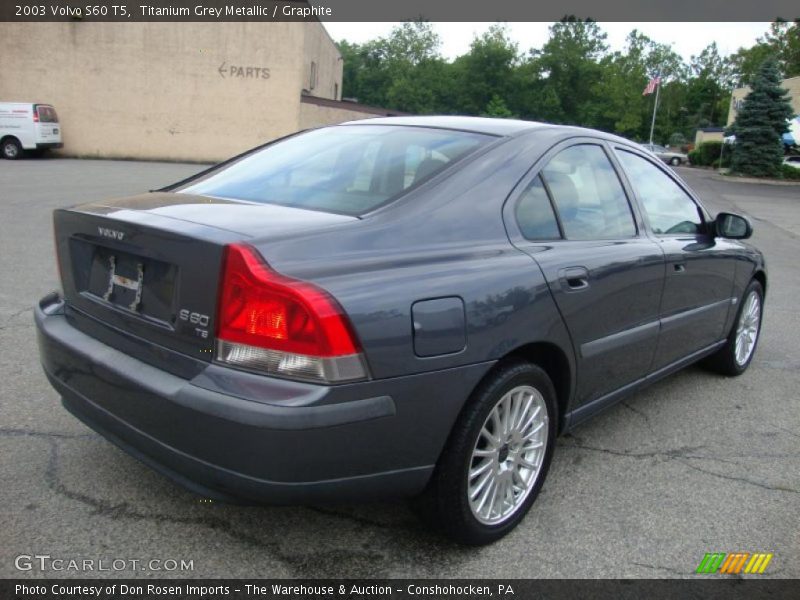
778	182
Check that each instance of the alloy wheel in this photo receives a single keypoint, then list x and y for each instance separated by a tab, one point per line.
508	455
747	328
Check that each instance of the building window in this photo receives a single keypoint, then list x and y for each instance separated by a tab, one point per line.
313	80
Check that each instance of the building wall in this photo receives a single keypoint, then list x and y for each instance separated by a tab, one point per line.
187	91
320	50
312	115
707	136
739	94
319	112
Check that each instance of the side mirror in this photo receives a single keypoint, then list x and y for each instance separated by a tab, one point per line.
731	226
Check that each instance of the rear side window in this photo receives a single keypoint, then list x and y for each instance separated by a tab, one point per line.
588	195
348	169
47	114
535	213
669	209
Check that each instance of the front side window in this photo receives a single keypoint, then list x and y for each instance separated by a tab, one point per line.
347	169
669	209
588	195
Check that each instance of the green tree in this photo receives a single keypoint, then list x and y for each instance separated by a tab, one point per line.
572	78
759	124
497	108
781	42
708	90
568	64
403	71
618	103
486	71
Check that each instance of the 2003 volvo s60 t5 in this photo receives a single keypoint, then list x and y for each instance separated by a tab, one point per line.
392	307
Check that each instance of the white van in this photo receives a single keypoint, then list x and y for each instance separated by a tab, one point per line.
26	126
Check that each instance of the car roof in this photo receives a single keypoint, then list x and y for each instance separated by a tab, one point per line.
502	127
490	126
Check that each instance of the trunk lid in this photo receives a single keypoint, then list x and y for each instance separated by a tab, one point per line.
149	265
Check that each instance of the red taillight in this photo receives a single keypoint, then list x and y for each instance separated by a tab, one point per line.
273	322
35	114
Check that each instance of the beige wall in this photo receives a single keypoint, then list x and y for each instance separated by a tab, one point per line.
792	84
312	115
318	112
708	136
154	90
320	50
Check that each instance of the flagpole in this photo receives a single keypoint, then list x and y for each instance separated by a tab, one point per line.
655	107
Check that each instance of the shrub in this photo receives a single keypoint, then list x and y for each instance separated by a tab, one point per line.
705	154
709	152
789	172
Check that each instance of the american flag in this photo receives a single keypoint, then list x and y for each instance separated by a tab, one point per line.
651	87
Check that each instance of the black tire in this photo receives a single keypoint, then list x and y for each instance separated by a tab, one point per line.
11	149
724	360
445	503
675	161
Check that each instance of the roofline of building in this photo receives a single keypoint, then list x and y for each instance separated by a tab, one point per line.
354	106
330	37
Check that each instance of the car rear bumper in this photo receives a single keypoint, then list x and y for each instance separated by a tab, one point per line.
49	145
287	443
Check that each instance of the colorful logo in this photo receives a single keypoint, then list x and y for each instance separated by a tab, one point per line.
734	563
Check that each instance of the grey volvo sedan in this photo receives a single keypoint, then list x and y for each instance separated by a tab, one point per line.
400	306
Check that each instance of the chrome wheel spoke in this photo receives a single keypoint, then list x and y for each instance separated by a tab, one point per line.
481	485
482	468
534	431
531	445
485	494
486	452
507	456
490	506
493	440
520	480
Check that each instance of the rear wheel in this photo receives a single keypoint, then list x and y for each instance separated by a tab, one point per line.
497	457
11	149
675	161
737	353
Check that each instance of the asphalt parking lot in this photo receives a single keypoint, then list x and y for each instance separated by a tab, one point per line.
695	464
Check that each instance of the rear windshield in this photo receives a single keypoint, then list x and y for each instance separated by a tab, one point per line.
348	170
47	114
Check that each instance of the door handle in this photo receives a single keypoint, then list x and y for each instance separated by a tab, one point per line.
577	283
574	279
679	267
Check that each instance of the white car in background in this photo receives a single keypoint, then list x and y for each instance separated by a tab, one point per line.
27	126
674	159
792	161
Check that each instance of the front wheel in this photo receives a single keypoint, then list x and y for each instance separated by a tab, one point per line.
675	161
737	353
497	457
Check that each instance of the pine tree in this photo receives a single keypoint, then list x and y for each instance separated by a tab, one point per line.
760	123
497	108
